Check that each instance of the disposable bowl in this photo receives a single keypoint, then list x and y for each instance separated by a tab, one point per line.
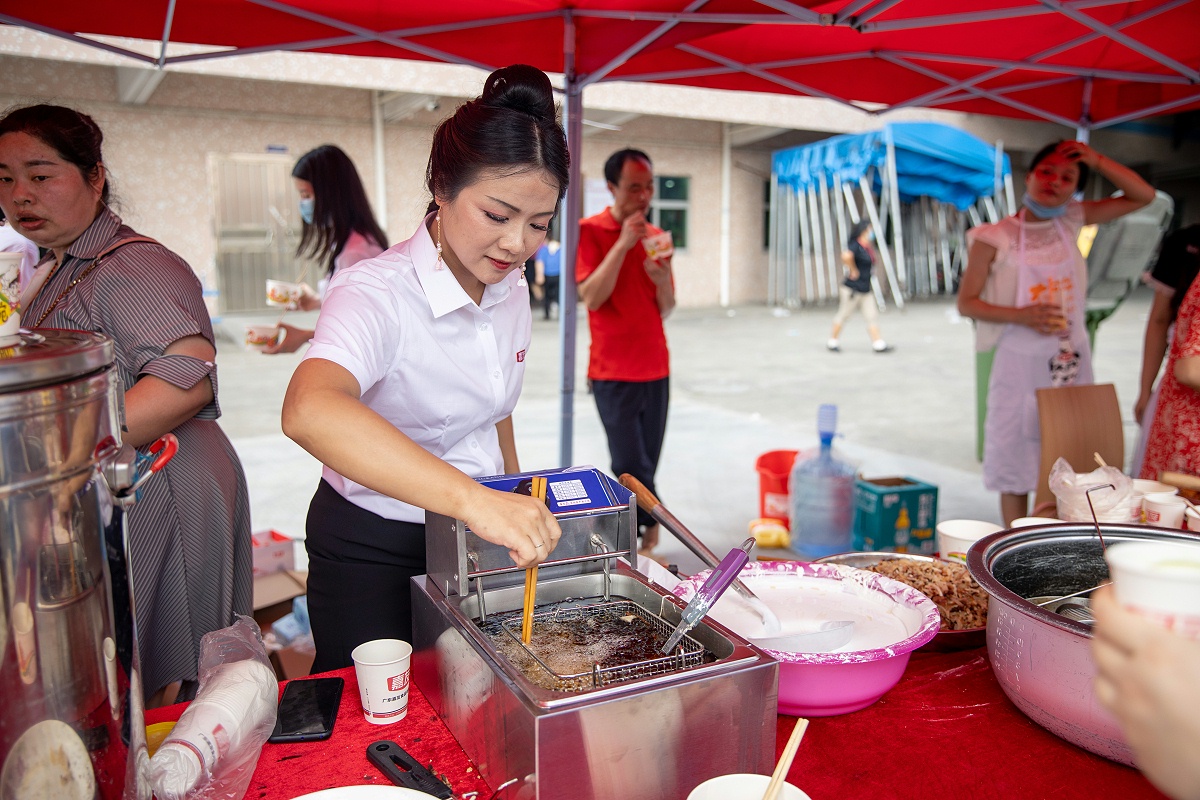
848	679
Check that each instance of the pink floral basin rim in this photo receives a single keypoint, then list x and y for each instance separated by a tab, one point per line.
920	612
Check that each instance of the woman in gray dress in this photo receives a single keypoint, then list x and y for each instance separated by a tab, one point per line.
189	533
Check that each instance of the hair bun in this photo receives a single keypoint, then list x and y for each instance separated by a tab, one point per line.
522	88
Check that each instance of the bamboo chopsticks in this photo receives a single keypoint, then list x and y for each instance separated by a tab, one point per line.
539	491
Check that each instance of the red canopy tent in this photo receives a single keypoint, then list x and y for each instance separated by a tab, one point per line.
1079	63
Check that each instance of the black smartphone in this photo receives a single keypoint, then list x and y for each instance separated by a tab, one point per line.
307	710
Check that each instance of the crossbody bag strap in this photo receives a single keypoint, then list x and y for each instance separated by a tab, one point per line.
35	285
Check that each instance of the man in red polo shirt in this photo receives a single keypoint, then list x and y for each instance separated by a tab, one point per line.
628	294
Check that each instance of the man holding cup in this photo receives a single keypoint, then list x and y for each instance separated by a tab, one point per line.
1146	646
629	290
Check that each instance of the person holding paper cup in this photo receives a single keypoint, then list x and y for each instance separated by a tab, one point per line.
339	229
1146	648
1025	286
628	294
189	534
407	391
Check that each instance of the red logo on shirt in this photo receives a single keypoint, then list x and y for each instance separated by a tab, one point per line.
520	356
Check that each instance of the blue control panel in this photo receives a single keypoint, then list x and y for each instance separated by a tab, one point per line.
567	491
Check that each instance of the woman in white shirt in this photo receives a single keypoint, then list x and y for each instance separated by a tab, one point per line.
407	392
339	227
1025	285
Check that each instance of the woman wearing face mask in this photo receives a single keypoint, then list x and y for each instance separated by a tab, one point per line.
855	291
1025	286
407	391
339	227
189	533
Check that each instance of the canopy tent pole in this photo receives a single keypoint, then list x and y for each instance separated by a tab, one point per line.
884	255
726	255
381	209
893	181
569	227
773	241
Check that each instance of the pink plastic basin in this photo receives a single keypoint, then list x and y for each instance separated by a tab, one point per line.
826	684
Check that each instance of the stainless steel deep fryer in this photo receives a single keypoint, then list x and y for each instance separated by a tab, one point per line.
652	727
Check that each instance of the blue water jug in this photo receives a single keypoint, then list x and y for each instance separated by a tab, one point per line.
822	495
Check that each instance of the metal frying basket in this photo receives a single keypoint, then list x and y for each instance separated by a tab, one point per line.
598	616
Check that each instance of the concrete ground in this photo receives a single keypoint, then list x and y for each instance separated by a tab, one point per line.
744	381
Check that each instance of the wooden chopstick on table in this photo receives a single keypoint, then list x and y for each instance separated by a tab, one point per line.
785	760
539	491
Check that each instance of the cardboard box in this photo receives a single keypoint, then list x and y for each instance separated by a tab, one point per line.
273	595
895	514
273	552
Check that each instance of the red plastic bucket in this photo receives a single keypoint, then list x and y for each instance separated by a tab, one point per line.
774	469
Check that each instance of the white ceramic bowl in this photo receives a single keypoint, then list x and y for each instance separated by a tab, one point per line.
742	786
891	620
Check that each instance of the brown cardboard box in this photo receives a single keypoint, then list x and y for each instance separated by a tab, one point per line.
273	595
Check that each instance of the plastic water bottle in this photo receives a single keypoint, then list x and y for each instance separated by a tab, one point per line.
822	494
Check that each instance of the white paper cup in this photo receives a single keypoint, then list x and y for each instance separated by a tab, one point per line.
955	537
660	245
10	296
1192	519
1160	580
259	336
283	294
742	786
1025	522
1143	486
383	667
1164	510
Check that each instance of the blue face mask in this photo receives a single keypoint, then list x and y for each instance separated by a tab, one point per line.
307	204
1045	212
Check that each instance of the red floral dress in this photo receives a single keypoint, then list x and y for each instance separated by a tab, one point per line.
1174	440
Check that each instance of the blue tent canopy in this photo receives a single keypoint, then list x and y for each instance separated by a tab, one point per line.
932	160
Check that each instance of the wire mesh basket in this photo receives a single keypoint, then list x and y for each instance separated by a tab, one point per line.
576	647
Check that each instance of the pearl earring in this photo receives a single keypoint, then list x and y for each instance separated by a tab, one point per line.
521	280
441	264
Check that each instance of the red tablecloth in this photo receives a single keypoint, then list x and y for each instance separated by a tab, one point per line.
287	770
945	731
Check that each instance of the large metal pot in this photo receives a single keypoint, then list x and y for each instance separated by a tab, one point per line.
69	715
1042	660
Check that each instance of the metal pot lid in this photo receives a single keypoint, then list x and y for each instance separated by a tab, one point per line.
50	355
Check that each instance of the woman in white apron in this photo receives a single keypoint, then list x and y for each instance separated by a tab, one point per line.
1026	285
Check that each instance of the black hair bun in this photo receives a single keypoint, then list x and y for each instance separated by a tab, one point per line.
522	88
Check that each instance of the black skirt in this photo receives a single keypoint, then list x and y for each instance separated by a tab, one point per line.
359	570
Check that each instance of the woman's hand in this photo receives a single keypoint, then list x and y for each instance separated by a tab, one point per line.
1139	408
1078	151
1044	318
1149	678
521	523
309	300
293	339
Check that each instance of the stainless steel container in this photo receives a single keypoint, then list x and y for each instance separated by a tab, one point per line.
1043	659
653	731
67	706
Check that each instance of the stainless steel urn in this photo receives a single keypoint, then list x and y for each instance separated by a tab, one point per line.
70	710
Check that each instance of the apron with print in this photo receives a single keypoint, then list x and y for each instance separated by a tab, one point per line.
1027	360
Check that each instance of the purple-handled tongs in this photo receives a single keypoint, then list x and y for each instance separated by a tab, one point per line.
718	581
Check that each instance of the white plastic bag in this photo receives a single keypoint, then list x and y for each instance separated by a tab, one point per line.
1071	488
212	751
